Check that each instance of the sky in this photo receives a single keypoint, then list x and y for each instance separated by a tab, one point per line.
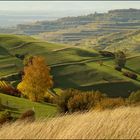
99	6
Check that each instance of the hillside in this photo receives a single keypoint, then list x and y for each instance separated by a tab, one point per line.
97	30
116	29
119	16
121	123
19	105
71	67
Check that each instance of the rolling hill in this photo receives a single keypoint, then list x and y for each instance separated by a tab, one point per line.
19	105
71	67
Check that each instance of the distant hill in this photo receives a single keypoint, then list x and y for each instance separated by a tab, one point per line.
119	16
98	31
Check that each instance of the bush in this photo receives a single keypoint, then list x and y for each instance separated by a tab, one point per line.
106	53
5	117
118	68
20	56
72	100
49	99
120	59
134	97
110	103
28	115
130	75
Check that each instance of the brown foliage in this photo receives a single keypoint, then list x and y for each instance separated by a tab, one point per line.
110	103
73	100
36	79
28	115
130	75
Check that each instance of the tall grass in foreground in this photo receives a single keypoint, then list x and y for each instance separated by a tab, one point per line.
109	124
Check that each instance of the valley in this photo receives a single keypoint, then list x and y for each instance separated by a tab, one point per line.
71	47
71	67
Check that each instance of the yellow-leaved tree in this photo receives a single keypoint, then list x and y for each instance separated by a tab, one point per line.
36	80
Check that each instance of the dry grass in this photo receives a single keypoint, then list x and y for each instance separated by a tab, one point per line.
109	124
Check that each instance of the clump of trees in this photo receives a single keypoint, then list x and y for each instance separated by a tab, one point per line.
120	59
118	68
130	75
72	100
36	79
106	53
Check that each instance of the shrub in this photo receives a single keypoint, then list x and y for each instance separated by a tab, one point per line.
5	117
49	99
120	58
20	56
134	97
110	103
72	100
28	115
118	68
130	75
106	53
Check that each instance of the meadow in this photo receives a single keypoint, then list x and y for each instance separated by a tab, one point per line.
18	105
121	123
71	67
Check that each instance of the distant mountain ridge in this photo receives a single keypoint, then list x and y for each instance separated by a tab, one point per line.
119	15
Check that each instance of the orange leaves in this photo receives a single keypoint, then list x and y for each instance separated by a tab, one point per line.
36	80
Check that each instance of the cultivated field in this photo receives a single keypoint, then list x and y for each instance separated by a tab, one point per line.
121	123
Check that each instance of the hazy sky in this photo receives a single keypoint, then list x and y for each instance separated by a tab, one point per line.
100	6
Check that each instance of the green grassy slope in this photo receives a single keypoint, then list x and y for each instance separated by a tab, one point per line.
133	64
92	76
72	67
19	105
15	44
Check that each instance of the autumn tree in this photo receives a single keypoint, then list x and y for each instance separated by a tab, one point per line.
36	80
